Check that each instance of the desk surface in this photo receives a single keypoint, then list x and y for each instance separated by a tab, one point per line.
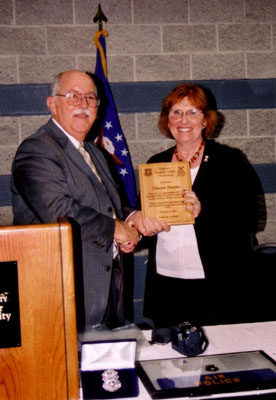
222	339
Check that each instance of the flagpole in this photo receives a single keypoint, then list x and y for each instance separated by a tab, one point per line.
100	18
110	137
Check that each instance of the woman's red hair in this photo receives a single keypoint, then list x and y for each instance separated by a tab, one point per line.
198	98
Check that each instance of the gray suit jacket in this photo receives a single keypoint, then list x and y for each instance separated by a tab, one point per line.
50	179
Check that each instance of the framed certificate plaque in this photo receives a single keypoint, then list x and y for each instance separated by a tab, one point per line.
161	191
236	374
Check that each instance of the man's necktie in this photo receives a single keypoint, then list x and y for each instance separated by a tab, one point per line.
89	161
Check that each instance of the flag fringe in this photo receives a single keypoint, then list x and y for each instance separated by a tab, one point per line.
97	36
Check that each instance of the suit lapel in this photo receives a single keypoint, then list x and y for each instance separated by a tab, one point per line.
100	163
69	149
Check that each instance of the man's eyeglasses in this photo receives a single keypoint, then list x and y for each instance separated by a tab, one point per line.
190	114
75	99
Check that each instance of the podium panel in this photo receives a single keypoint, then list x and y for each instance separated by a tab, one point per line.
43	363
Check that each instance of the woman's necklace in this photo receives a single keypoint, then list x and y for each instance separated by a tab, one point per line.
193	158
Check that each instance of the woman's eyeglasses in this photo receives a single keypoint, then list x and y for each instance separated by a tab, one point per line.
190	114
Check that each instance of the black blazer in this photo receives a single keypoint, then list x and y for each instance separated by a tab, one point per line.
233	210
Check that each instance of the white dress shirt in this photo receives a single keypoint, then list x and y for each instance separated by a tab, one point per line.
177	254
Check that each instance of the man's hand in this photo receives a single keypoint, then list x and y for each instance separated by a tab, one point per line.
148	226
126	235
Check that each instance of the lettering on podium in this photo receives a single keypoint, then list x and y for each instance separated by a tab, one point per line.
9	305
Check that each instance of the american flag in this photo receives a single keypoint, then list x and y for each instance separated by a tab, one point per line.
112	137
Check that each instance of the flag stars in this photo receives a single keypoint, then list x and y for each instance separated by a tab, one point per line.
123	171
119	137
124	152
108	125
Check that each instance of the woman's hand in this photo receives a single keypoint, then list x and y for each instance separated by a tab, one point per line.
191	202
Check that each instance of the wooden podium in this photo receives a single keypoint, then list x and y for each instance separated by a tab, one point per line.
44	364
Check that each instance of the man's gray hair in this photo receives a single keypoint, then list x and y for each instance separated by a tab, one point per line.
56	82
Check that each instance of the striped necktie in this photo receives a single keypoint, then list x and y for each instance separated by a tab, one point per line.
89	161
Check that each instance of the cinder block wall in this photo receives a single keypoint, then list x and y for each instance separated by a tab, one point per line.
149	40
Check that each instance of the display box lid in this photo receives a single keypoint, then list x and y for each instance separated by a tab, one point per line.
112	354
245	373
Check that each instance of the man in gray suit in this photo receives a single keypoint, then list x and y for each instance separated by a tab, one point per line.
51	178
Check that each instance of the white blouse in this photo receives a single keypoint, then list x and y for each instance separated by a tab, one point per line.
177	254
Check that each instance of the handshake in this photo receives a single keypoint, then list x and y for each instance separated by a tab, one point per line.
128	233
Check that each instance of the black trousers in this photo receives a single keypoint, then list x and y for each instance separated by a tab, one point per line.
114	315
171	301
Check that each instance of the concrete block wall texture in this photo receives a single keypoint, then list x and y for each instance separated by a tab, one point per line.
149	40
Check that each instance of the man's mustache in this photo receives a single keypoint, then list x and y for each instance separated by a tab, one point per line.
82	111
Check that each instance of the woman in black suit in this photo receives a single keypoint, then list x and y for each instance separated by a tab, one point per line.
202	272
